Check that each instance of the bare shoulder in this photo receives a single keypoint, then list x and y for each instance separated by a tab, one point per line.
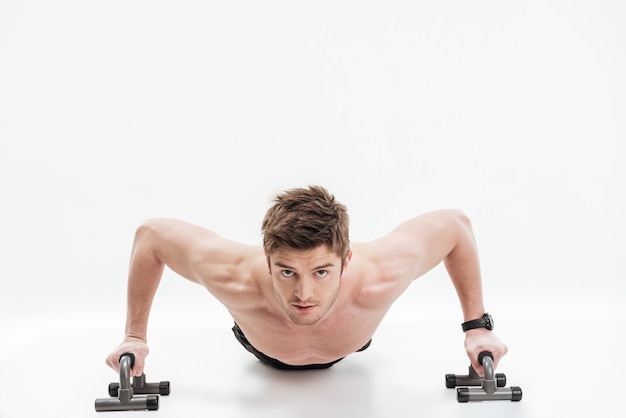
223	266
390	263
375	284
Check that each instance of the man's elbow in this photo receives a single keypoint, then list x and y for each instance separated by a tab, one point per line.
457	221
455	217
148	229
462	218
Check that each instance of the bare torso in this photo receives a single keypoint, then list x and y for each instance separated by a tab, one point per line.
349	324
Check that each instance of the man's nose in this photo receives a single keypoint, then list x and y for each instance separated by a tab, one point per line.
304	289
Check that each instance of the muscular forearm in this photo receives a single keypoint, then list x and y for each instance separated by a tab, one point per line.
144	275
462	264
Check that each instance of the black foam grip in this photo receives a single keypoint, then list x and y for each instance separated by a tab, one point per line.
484	354
132	358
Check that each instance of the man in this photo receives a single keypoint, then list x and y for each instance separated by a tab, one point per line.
307	298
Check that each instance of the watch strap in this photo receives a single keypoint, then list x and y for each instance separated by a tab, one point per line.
484	321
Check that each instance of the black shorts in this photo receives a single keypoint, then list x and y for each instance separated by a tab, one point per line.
277	363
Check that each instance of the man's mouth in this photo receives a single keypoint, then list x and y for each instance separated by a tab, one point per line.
303	308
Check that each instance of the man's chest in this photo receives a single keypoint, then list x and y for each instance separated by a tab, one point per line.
337	336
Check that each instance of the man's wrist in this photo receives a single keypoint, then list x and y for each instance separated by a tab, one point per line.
484	322
477	331
135	337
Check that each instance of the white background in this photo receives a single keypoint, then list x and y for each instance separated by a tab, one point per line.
112	112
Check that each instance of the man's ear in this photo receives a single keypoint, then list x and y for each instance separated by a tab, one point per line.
269	266
346	262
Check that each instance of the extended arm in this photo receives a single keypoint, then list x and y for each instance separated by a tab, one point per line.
193	252
462	264
422	243
144	276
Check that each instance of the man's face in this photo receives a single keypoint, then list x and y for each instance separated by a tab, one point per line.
306	282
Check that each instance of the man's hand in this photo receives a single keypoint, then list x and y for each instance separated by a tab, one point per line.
137	346
479	340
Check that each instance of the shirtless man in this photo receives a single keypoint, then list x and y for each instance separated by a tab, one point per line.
307	298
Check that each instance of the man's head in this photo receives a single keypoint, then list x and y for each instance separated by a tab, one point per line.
302	219
305	238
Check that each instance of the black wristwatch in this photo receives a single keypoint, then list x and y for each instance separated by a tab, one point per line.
485	321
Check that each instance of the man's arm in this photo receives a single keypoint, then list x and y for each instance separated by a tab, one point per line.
191	251
421	243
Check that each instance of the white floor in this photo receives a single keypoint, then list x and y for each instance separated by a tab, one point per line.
568	363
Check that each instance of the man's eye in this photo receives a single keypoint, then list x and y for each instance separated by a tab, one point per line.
287	273
322	273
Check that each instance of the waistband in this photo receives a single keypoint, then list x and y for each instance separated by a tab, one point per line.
239	335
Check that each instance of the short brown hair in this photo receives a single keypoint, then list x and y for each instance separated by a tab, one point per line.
306	218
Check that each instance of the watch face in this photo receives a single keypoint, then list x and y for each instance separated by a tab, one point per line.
489	320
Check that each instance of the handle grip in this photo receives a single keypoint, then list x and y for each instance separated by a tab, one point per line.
131	356
484	354
489	381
